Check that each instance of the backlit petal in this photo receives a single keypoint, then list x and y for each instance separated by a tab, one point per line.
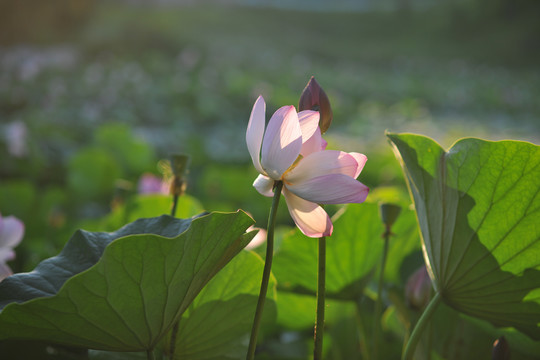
310	218
5	271
255	132
313	144
309	123
282	142
331	189
322	163
264	185
361	160
11	231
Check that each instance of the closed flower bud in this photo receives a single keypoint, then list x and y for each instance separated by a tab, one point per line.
501	350
179	167
389	213
314	98
418	289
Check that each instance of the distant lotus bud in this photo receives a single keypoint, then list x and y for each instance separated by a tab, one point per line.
179	167
501	349
389	213
314	98
418	289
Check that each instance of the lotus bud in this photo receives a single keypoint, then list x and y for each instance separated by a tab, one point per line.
314	98
179	166
501	349
418	289
389	213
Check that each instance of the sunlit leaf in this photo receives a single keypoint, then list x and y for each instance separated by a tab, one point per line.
218	323
353	252
478	207
121	291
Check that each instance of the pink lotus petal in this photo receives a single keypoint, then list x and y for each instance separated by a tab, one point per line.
361	160
331	189
255	132
11	231
5	271
264	185
282	142
309	123
313	144
322	163
6	254
258	240
310	218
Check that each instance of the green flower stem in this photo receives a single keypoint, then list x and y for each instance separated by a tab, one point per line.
321	293
174	333
150	354
420	326
174	204
362	331
266	271
378	303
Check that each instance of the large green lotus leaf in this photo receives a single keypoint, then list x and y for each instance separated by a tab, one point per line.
218	323
404	244
352	251
478	207
119	291
143	206
297	311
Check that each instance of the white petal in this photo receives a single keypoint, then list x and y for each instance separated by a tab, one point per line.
255	132
11	231
264	185
309	123
331	189
282	142
322	163
313	144
258	240
310	218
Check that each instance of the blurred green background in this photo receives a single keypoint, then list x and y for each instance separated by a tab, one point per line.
93	93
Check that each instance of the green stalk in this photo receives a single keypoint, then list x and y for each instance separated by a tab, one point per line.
266	272
321	293
420	326
174	204
378	303
174	333
150	354
362	331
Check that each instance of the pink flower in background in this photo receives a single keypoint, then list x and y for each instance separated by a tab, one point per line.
418	289
151	184
16	138
291	150
11	234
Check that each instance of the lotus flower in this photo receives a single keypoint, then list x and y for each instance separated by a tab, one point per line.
11	233
292	150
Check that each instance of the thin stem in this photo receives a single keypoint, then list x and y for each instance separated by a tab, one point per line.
420	326
174	333
378	303
266	272
321	293
150	354
362	331
174	204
